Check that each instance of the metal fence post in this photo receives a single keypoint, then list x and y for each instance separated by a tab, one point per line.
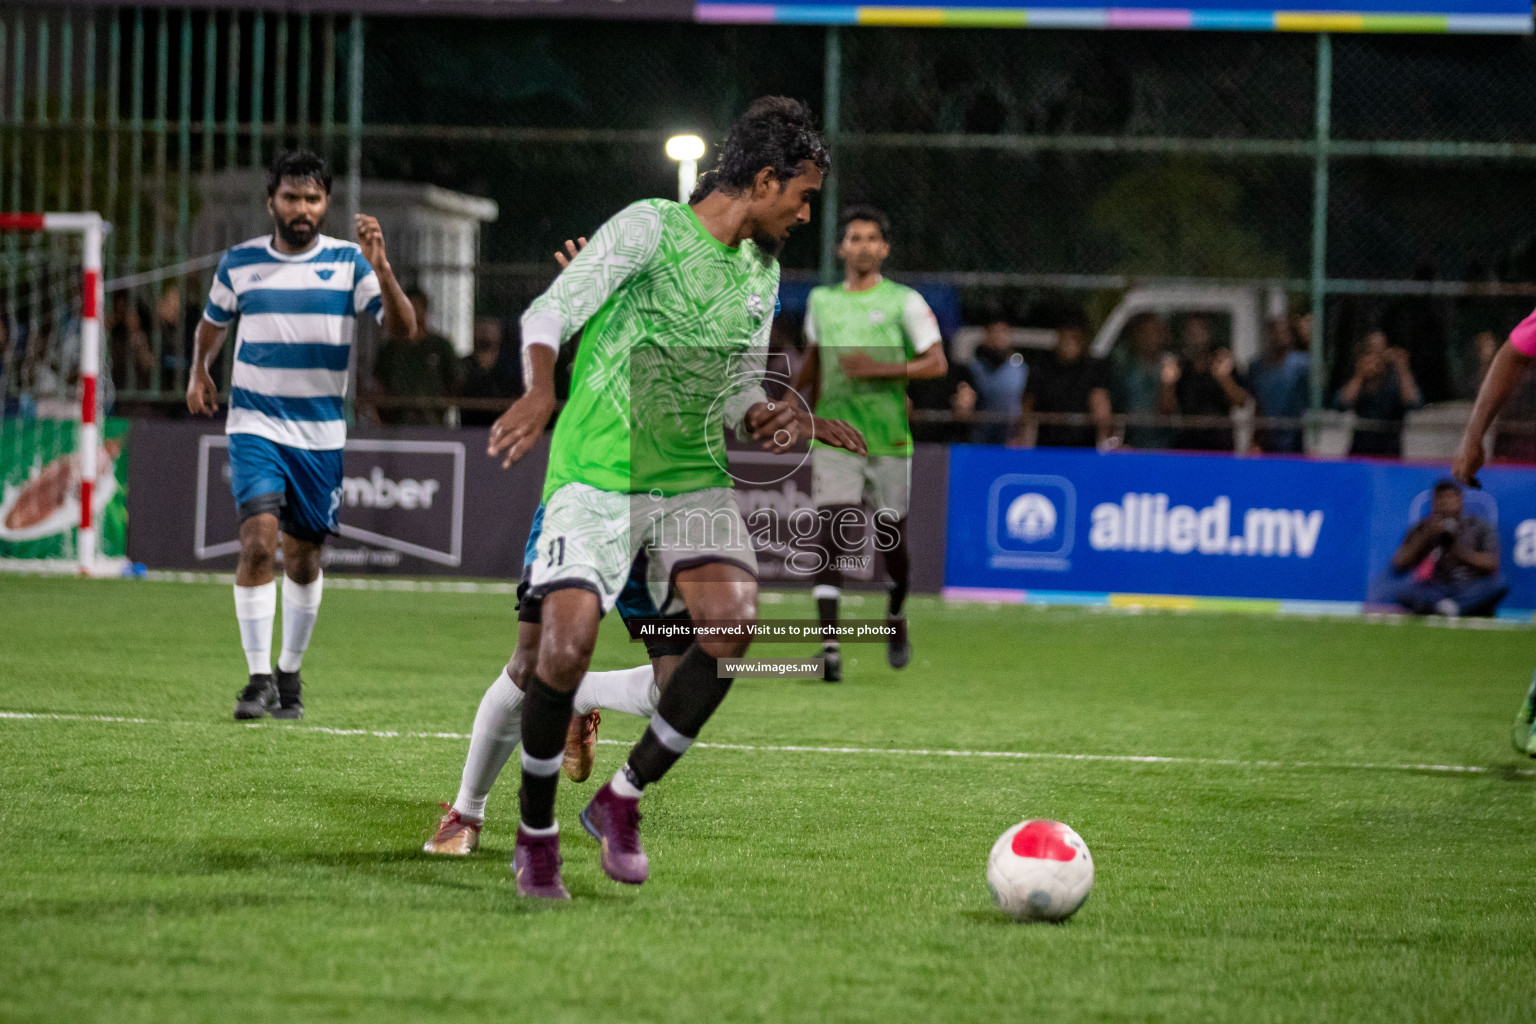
232	92
258	84
354	163
1323	125
832	97
328	87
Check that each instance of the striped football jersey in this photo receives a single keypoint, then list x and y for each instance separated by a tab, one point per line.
294	341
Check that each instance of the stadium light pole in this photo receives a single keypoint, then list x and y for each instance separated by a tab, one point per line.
686	150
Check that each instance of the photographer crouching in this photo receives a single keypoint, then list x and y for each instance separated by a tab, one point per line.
1452	558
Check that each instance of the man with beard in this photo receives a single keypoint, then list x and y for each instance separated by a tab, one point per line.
298	294
676	303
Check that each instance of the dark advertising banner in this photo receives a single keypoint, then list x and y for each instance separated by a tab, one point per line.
413	502
428	501
1074	525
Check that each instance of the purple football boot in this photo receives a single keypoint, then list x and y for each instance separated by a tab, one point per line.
536	866
614	821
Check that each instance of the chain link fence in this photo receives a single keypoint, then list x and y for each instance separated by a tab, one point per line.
1028	172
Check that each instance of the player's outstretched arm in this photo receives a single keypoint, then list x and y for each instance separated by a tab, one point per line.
516	430
399	314
202	391
1504	374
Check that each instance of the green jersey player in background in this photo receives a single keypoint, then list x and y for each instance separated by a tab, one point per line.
867	337
676	304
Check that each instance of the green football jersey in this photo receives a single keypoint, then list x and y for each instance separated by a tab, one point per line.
890	322
673	351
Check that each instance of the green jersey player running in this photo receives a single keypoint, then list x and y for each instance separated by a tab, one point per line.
868	336
676	303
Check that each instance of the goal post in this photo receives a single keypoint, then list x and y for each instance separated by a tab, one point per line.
90	230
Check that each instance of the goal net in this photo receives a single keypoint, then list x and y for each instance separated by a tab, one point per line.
63	472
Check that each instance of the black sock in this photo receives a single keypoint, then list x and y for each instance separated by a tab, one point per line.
546	717
826	608
897	566
692	695
834	536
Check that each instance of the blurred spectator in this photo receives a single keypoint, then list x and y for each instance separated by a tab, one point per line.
1069	380
1475	367
1142	389
1382	389
1453	559
128	348
953	394
486	373
1414	324
1204	385
1280	380
999	374
1301	330
176	322
422	365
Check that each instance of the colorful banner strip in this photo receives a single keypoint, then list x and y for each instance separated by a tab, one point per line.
1114	18
1183	603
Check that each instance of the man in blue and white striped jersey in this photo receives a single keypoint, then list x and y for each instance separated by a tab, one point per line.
297	294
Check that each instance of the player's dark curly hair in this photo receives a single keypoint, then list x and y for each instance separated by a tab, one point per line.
301	164
707	183
776	132
866	213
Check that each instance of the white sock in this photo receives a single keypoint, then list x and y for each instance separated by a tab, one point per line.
622	786
553	830
630	690
301	606
255	608
497	732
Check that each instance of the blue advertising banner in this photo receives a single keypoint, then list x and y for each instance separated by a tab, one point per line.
1065	524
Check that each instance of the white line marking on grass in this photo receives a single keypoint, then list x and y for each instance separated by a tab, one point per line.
45	716
1015	755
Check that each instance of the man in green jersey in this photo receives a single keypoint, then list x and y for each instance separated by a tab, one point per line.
676	303
868	336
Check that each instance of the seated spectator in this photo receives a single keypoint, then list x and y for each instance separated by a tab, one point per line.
1142	388
954	395
1069	381
485	373
422	365
1204	385
1453	559
1382	390
1279	380
1000	374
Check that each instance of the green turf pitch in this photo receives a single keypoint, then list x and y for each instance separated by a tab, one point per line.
188	868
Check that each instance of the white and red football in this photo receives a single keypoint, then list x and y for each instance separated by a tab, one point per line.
1040	870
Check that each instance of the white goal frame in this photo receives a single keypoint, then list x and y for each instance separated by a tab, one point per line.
91	228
